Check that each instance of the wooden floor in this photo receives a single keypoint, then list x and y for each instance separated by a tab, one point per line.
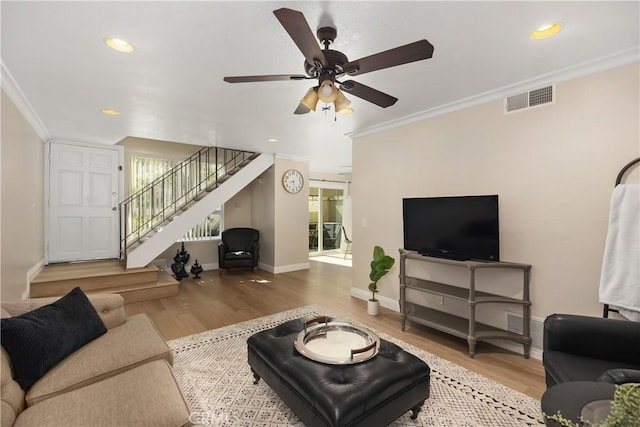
214	301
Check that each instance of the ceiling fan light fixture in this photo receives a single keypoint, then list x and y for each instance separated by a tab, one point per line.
328	92
342	103
310	100
302	109
546	31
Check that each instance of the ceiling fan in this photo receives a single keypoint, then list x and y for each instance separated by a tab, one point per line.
327	65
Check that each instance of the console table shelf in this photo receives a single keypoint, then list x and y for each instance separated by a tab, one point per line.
467	328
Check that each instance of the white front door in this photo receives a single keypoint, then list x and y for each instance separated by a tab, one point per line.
83	203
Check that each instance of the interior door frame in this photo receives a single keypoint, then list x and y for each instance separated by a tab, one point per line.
47	170
345	186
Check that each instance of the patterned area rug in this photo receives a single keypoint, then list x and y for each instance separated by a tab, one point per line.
212	370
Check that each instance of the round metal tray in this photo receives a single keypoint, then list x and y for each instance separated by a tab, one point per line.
336	343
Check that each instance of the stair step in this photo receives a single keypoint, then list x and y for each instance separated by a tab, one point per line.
165	287
94	276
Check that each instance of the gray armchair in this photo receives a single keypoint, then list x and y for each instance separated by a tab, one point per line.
239	248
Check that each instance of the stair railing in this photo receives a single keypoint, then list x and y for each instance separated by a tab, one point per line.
158	202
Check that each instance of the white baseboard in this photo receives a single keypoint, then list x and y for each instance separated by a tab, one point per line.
31	274
385	302
266	267
286	268
394	305
210	266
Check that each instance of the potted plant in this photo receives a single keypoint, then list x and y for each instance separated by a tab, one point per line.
380	266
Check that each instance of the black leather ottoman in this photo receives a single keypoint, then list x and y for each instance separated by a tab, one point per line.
371	393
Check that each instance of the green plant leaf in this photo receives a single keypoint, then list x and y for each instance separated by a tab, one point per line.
386	262
378	253
377	275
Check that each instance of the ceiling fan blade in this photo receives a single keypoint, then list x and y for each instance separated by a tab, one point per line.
267	78
368	93
298	28
411	52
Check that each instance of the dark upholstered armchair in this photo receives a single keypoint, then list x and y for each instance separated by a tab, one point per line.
581	348
240	247
584	357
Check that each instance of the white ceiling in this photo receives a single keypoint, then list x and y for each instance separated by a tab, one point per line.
171	88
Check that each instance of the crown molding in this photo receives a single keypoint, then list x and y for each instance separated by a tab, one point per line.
614	60
13	91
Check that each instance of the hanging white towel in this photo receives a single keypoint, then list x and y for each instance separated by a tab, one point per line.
620	277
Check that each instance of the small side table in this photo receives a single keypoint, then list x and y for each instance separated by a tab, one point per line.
571	397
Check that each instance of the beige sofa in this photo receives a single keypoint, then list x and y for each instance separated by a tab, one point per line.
122	378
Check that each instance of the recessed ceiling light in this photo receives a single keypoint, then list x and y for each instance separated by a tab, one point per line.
545	31
110	111
272	140
119	45
347	110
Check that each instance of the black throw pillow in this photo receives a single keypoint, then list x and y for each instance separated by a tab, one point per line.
36	341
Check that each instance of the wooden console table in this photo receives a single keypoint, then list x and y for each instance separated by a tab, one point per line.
458	326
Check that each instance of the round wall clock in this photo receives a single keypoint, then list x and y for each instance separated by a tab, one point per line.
292	181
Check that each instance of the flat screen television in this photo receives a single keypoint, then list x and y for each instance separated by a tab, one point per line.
459	227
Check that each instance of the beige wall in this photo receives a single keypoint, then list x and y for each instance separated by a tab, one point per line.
237	211
22	226
263	214
553	167
291	219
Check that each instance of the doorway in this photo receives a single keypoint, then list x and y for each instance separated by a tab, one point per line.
83	190
328	212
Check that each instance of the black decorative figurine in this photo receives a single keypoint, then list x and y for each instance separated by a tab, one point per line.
196	269
184	254
178	266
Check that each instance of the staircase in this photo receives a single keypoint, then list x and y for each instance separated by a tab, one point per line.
107	276
158	215
153	219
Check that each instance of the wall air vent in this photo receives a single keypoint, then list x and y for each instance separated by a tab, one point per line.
532	98
536	328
